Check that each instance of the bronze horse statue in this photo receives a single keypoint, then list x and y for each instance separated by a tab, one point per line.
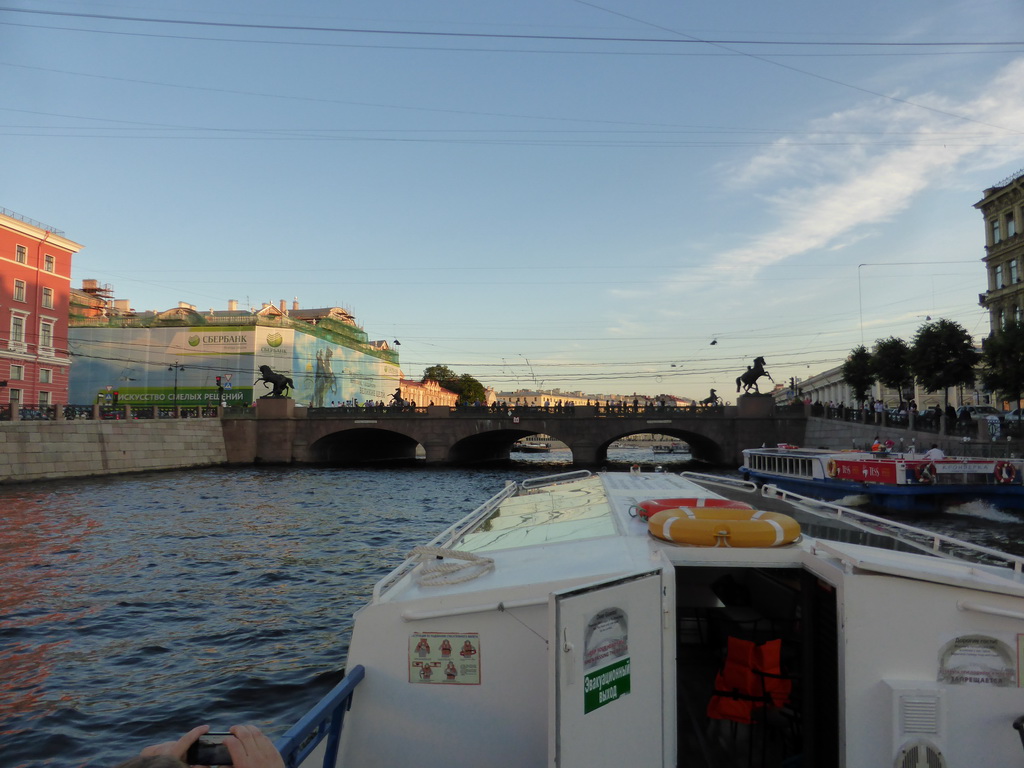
749	379
712	399
278	381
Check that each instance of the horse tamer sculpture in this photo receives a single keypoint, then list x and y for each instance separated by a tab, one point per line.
749	379
278	381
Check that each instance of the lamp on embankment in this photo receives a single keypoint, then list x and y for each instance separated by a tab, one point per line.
176	368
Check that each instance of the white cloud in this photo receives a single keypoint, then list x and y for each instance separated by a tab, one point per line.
847	189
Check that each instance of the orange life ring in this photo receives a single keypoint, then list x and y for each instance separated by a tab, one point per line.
925	473
647	508
1005	472
719	527
832	468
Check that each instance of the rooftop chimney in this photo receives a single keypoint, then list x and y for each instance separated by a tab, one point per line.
283	306
232	305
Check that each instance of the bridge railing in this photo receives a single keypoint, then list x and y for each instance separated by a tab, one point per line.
73	412
483	411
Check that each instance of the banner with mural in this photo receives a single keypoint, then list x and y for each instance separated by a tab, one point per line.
168	366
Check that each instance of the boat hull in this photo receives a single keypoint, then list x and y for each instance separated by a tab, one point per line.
905	498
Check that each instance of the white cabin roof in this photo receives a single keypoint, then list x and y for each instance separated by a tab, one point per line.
586	530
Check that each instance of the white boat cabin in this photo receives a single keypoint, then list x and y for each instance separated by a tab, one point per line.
572	637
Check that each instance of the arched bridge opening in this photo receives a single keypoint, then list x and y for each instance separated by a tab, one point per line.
487	447
363	446
701	447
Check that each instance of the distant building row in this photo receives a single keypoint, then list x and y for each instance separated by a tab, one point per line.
82	346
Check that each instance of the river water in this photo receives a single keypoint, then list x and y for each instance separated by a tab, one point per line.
135	607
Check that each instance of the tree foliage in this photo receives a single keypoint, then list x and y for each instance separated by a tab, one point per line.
440	374
1002	360
465	386
890	363
943	356
858	373
470	390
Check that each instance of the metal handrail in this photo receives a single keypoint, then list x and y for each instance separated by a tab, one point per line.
325	720
895	527
448	535
864	519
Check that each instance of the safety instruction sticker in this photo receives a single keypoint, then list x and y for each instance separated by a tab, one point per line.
446	658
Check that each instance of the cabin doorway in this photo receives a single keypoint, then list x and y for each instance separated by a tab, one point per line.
757	668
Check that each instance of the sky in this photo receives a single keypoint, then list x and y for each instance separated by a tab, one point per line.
606	197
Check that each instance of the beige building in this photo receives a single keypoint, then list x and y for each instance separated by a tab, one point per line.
1003	209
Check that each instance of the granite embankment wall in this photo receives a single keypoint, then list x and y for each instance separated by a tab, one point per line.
49	450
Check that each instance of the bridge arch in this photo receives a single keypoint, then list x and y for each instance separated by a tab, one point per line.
363	446
490	446
702	447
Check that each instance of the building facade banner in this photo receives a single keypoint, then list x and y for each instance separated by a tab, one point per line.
181	366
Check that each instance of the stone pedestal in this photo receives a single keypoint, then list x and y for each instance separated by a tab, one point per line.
754	406
275	408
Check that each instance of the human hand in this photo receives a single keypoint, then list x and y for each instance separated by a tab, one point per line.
176	748
250	748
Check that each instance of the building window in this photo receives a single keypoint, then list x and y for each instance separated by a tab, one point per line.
1011	225
1002	319
49	263
1017	314
21	254
19	290
999	277
46	376
48	295
45	334
44	399
15	395
18	329
995	231
17	372
1014	276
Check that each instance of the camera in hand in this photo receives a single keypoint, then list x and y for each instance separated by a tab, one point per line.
208	749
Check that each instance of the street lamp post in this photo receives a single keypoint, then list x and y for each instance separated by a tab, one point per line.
176	368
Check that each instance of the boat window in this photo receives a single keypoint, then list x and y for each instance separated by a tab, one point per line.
573	511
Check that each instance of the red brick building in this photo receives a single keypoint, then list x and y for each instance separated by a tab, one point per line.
35	283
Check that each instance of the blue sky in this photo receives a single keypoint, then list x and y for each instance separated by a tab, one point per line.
560	194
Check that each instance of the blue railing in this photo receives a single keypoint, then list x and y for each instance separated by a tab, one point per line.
322	721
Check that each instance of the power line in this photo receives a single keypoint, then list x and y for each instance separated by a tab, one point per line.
504	35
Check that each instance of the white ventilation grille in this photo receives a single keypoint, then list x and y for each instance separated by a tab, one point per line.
918	723
919	714
920	754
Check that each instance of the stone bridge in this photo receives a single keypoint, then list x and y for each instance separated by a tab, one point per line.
277	432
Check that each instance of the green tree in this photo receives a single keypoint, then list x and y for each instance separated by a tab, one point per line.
890	363
440	374
470	390
1002	360
857	372
943	356
465	386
